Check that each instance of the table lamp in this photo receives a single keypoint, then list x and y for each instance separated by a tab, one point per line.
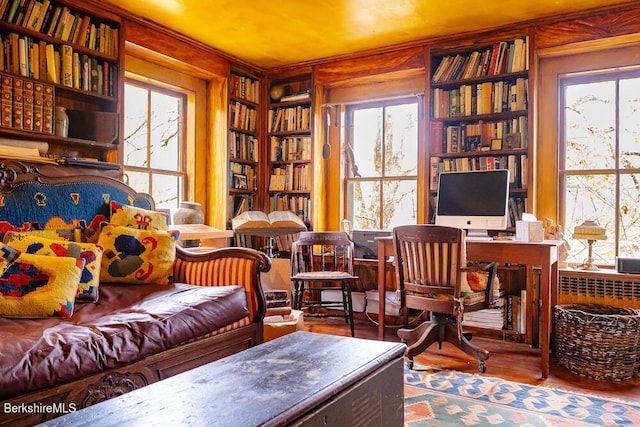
590	231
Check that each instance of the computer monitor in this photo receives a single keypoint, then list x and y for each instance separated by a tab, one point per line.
476	201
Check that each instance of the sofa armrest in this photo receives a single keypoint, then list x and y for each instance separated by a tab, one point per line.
226	266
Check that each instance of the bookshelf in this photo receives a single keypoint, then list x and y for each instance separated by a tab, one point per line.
290	145
61	54
243	142
480	115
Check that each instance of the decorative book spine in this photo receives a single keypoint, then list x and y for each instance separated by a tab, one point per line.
66	58
47	115
38	106
7	101
27	105
18	86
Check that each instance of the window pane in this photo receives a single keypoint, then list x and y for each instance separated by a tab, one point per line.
401	140
630	123
629	215
139	181
367	141
166	191
590	115
365	203
165	115
400	203
135	126
590	197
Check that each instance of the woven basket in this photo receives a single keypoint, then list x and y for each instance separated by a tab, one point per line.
598	341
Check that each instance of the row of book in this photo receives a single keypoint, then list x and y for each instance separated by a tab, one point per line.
61	22
242	176
501	58
26	104
482	136
508	313
291	177
243	117
481	98
516	164
290	149
245	88
290	119
26	57
243	146
299	205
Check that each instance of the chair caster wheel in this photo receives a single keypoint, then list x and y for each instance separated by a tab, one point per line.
482	367
410	364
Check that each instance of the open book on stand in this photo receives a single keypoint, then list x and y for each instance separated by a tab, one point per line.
276	223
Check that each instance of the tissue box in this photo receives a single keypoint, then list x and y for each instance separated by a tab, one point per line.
529	231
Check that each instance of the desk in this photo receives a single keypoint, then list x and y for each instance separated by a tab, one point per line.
543	254
209	236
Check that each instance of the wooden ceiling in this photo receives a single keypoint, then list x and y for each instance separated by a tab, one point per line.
274	33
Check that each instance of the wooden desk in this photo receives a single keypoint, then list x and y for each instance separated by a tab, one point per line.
302	378
543	254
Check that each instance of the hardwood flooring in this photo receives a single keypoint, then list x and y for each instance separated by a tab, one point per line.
508	360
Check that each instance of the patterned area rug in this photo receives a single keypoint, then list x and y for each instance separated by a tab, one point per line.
448	398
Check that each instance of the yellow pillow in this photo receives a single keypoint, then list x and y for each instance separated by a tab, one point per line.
40	286
89	252
137	256
131	216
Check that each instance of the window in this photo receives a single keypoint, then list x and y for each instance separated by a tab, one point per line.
599	171
382	151
153	142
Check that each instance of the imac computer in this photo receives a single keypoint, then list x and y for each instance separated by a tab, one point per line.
476	201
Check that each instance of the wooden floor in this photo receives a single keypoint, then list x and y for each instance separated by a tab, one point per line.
508	360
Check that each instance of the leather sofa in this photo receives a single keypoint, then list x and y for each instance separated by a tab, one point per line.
134	334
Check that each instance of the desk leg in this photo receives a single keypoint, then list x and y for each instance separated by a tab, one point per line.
381	288
546	289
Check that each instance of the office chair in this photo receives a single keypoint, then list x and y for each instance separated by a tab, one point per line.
320	261
430	263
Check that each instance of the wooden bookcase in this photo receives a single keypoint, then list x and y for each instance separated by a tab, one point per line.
290	145
243	142
62	53
480	117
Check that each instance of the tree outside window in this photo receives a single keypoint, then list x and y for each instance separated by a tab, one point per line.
154	123
600	167
381	184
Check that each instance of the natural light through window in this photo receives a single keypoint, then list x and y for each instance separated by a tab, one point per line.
152	144
600	175
381	184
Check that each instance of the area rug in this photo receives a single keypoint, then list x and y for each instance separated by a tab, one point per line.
435	398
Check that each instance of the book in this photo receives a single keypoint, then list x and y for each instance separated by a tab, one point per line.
6	115
47	108
272	224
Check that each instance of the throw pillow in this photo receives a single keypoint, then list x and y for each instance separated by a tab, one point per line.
7	256
90	253
40	286
137	256
131	216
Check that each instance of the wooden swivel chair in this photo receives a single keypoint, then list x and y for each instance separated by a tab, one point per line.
430	262
320	261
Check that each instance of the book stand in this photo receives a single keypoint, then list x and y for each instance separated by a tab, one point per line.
270	233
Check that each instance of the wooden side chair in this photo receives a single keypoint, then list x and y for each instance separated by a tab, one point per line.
430	263
323	261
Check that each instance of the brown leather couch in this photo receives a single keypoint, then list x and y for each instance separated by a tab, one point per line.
133	335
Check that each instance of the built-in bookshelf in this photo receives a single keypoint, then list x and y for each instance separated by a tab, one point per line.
480	115
290	146
243	142
60	54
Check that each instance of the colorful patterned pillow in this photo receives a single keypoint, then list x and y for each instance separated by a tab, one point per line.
7	256
90	253
40	286
131	216
137	256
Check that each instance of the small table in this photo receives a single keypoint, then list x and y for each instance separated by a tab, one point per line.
303	378
210	237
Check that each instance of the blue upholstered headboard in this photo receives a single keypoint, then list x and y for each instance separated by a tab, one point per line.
31	200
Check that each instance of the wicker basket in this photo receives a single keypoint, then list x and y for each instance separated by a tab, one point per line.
598	341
